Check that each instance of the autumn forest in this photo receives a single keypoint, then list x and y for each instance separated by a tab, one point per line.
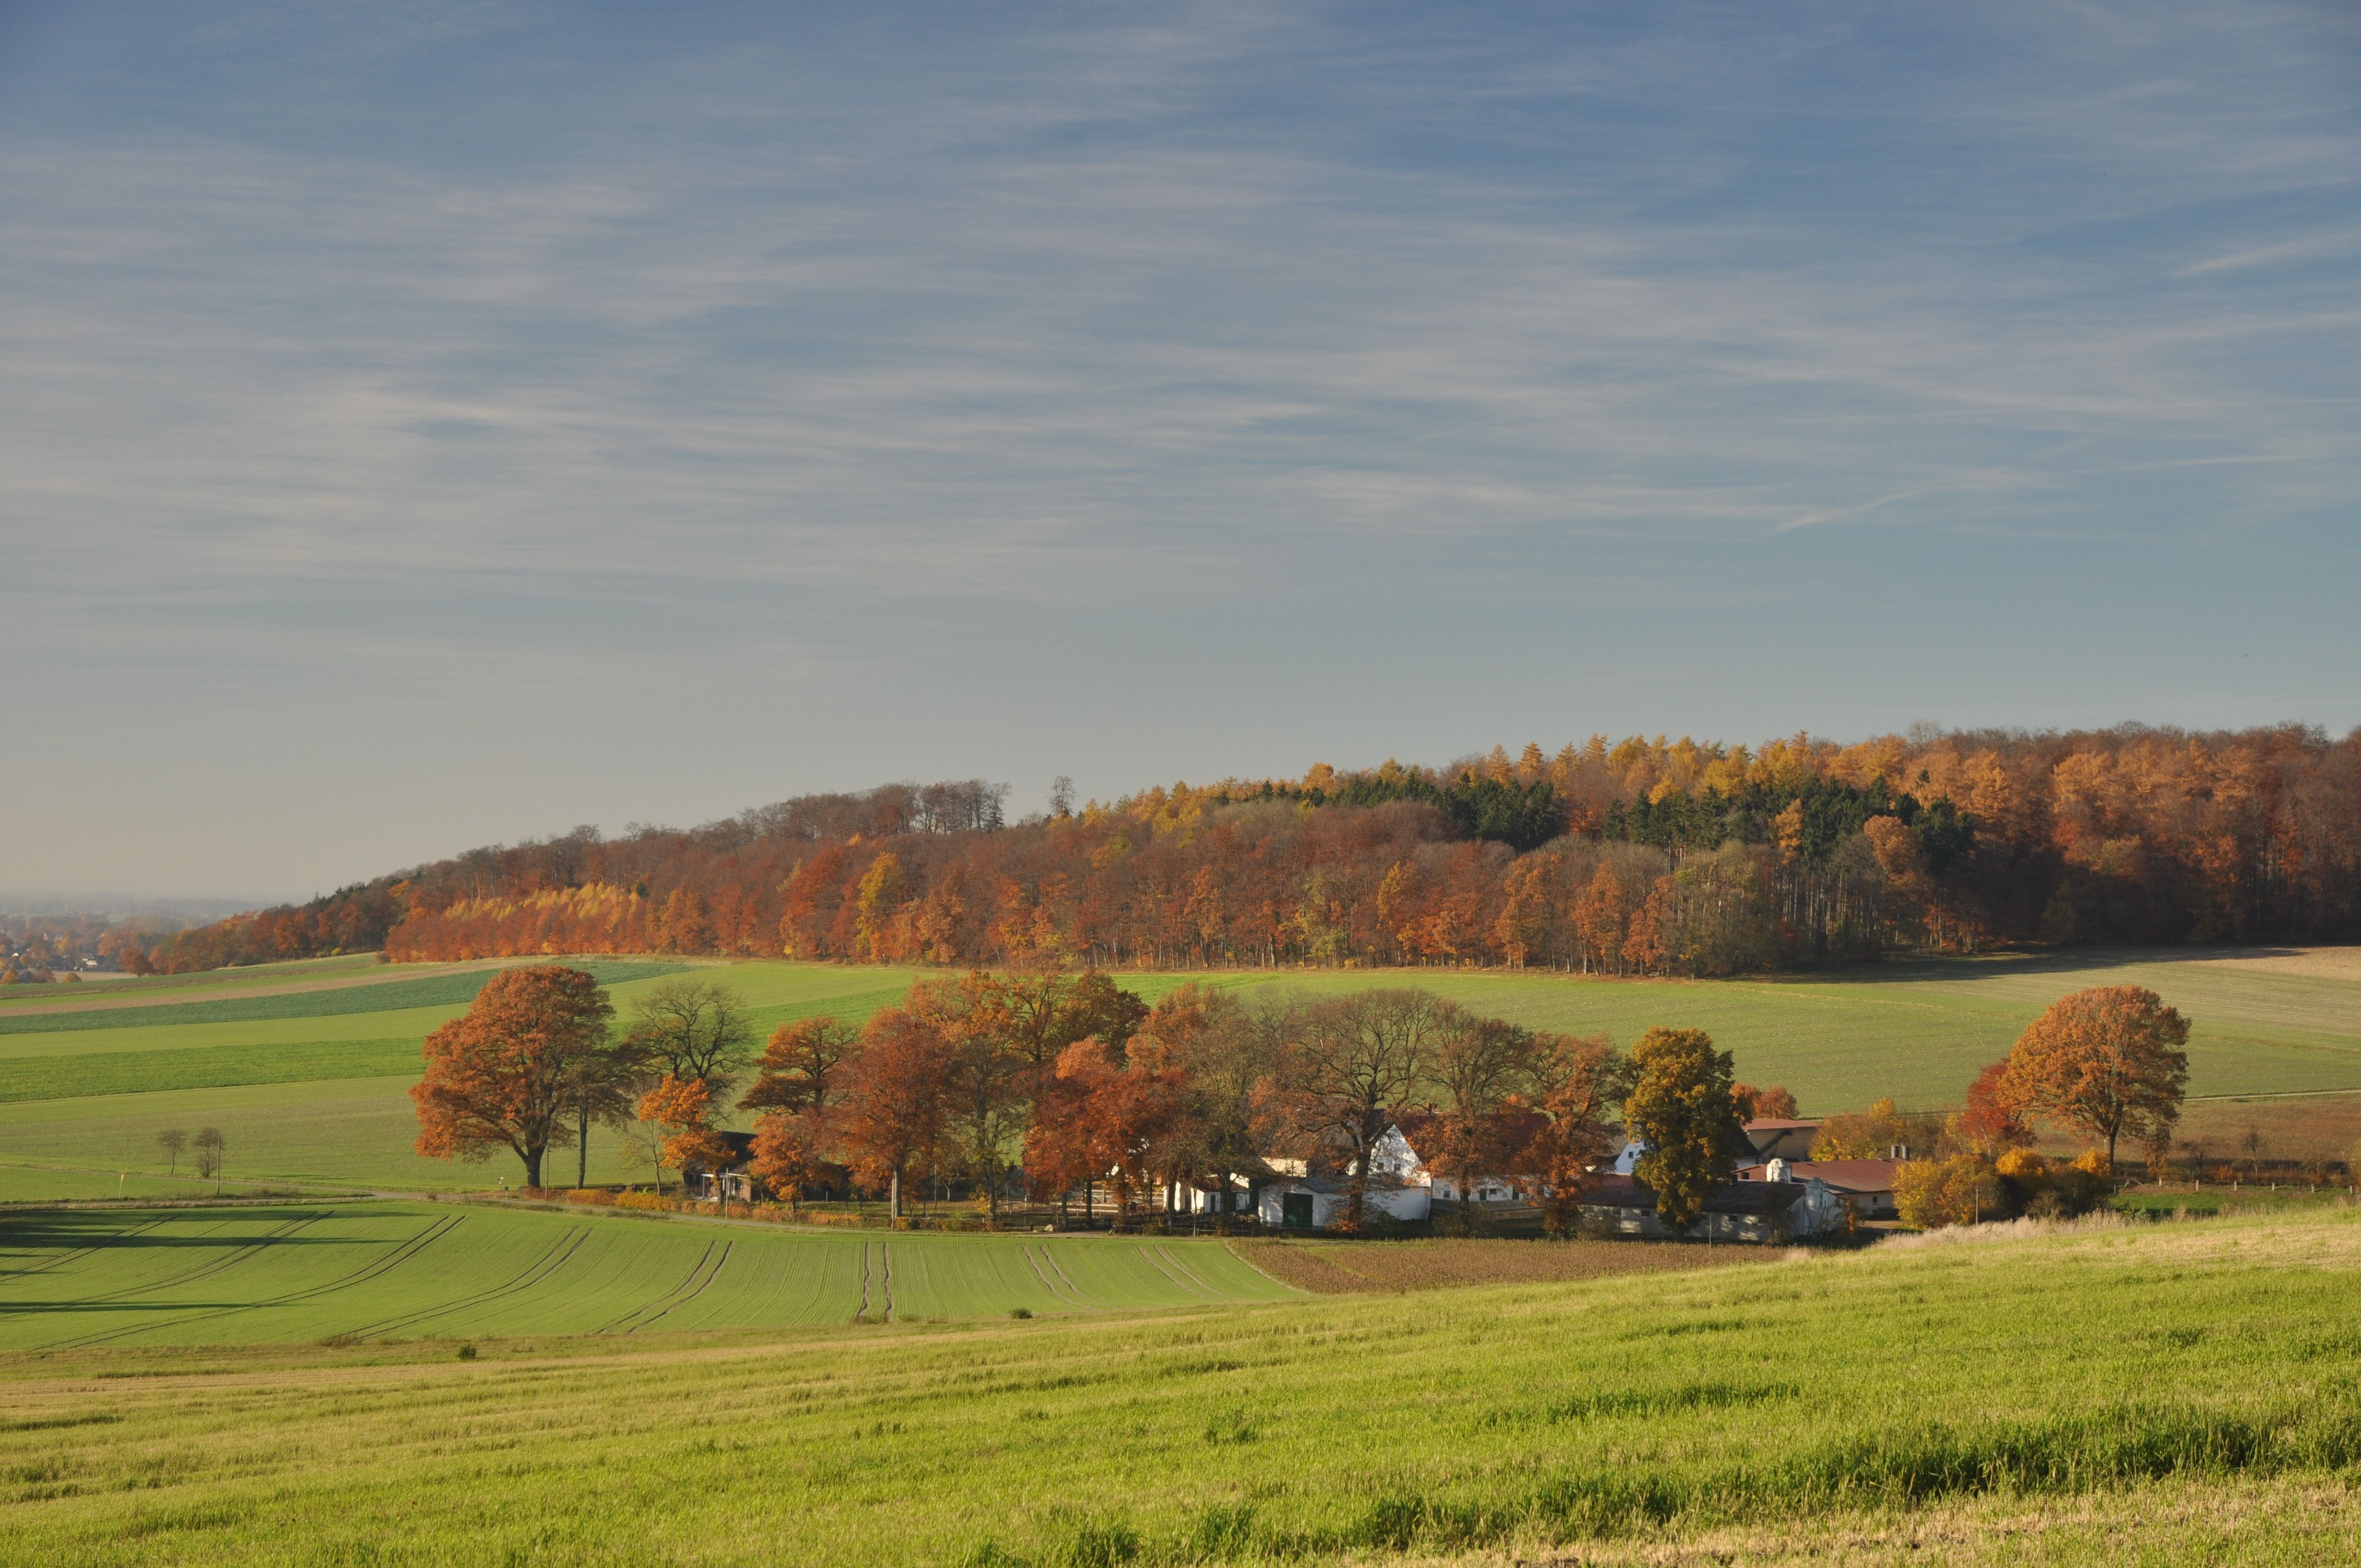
1639	857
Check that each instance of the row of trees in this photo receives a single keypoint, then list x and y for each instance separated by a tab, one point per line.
1063	1081
1051	1082
1640	857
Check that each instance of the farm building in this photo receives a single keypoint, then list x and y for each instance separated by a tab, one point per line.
1757	1211
733	1183
1866	1185
1317	1203
1778	1137
1195	1197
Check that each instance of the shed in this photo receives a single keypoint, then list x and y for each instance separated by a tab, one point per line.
1316	1202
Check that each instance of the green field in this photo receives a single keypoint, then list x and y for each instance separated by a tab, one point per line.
2145	1394
299	1272
309	1083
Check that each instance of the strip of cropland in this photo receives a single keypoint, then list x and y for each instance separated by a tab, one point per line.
313	1086
2150	1393
368	1272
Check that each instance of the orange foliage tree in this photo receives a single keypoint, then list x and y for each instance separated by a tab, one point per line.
1115	1119
1993	1121
790	1152
892	1122
1584	1081
2106	1062
679	1113
502	1075
802	1066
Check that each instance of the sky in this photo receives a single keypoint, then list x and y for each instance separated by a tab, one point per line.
432	425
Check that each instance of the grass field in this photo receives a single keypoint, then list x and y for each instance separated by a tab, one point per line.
2152	1393
305	1068
299	1272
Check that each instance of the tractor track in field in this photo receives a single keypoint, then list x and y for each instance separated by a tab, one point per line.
1055	1277
701	1274
78	1254
860	1313
207	1269
885	1256
401	1253
1187	1277
1079	1294
711	1275
1042	1275
540	1269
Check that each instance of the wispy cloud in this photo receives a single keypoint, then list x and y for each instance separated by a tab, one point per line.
736	339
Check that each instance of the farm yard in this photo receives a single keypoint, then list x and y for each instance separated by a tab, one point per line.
306	1067
2018	1396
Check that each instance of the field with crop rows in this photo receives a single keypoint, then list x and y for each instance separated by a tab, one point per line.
367	1272
305	1068
2139	1394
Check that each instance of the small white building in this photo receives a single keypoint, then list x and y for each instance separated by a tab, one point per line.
1318	1203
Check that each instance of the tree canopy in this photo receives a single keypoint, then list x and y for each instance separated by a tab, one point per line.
1683	1107
500	1075
2106	1062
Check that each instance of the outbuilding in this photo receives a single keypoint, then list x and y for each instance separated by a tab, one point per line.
1319	1203
1866	1186
1756	1211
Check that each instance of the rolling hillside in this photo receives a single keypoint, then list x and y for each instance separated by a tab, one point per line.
2116	1395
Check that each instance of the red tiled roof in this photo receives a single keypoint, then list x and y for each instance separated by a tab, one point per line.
1844	1175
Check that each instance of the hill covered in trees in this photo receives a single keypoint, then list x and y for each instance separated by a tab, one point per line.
1642	856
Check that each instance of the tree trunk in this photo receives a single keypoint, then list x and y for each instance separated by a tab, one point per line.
532	1167
898	1192
991	1197
582	1150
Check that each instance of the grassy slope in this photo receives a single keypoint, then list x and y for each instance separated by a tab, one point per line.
299	1272
2000	1392
322	1096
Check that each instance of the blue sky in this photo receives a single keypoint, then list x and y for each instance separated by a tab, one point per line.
429	426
